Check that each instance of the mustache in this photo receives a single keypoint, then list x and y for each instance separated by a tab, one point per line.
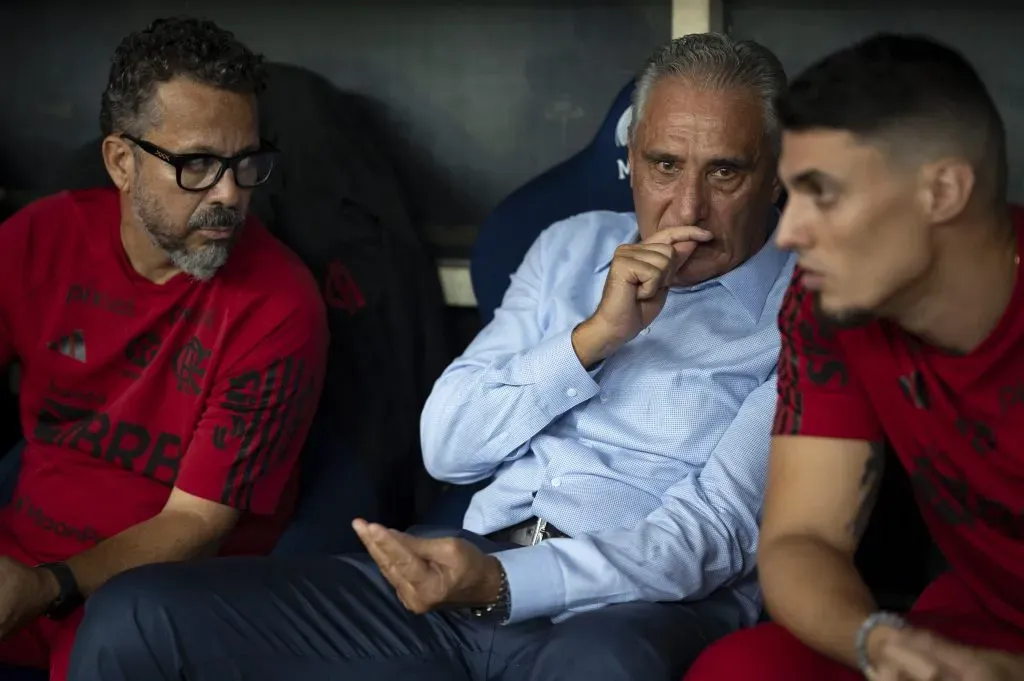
218	217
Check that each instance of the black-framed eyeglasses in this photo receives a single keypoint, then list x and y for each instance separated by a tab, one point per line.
199	172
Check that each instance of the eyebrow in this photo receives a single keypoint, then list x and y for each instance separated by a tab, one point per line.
734	162
205	149
813	180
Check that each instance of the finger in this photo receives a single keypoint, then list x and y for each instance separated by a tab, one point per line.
428	586
645	276
391	556
886	673
392	545
678	251
446	550
361	528
416	545
401	599
682	250
672	235
396	575
944	652
666	257
369	540
379	557
415	604
910	664
663	259
406	594
665	249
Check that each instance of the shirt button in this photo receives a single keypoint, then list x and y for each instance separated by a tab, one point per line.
646	331
555	482
571	392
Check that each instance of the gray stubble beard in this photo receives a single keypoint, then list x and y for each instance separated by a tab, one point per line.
201	264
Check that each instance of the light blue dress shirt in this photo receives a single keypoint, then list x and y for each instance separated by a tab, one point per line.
654	462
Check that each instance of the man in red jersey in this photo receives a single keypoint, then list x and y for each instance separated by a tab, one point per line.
172	349
905	321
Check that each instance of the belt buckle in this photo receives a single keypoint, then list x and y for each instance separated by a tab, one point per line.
540	532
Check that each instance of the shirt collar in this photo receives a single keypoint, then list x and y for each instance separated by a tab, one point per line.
749	283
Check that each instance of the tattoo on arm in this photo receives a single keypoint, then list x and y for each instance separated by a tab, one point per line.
870	483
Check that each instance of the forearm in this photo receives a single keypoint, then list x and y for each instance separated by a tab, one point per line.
815	591
479	416
167	537
680	552
702	537
592	344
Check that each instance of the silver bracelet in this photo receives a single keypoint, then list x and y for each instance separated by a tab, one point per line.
500	608
887	619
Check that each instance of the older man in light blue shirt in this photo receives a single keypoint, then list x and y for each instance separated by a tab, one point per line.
620	404
653	461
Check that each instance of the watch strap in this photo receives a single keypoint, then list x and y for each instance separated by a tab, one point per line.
70	596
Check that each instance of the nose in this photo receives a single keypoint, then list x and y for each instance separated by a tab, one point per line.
226	191
791	234
689	205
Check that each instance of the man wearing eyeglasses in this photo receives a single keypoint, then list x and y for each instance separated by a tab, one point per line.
172	350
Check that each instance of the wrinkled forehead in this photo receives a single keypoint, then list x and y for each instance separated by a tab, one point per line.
191	116
720	122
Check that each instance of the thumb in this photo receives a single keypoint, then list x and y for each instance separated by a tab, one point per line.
416	545
440	550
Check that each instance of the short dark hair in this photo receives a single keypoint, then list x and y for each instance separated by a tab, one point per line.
903	89
170	48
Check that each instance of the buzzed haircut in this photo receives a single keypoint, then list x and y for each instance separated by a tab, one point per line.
915	96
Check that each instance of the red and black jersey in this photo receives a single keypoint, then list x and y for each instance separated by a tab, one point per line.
131	388
955	421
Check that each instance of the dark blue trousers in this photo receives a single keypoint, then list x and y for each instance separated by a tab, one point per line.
337	619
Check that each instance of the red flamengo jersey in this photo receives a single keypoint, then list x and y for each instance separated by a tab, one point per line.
955	421
130	388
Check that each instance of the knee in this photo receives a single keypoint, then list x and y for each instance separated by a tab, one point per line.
622	657
144	588
763	653
131	608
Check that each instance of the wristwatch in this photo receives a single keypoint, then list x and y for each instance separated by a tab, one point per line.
500	608
886	619
70	596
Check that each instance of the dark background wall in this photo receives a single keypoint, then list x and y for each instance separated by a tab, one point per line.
988	32
480	95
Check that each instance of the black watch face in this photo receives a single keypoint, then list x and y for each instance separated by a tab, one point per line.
64	606
70	597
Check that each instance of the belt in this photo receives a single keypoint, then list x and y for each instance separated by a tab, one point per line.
527	533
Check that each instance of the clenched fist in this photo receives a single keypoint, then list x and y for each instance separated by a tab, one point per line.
635	291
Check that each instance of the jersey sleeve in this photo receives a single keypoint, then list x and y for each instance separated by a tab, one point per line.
818	394
258	415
